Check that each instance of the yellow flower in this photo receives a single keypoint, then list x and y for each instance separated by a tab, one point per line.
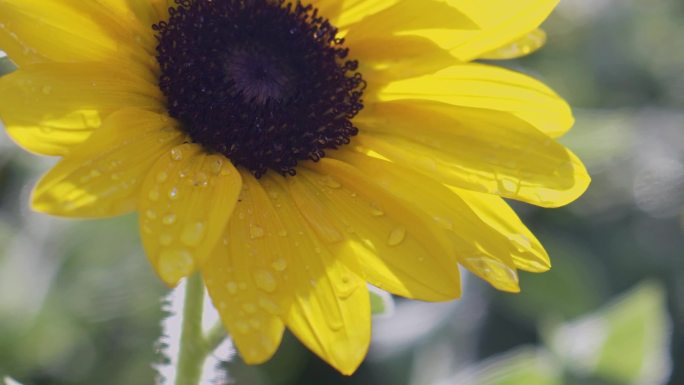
290	159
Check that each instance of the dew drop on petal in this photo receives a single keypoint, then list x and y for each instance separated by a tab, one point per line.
169	219
396	236
173	193
174	264
176	154
165	239
265	281
192	233
270	306
280	264
153	195
162	177
255	231
242	327
508	185
331	182
249	308
232	287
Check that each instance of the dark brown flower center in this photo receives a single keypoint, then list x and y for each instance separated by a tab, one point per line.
265	82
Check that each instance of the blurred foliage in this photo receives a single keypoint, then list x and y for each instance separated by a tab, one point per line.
80	305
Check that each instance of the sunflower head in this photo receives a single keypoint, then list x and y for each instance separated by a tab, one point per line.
294	152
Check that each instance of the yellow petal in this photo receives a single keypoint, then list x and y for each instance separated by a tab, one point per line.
50	107
330	312
396	246
385	52
480	248
489	88
522	46
497	21
33	31
474	149
342	13
103	176
247	275
184	206
528	253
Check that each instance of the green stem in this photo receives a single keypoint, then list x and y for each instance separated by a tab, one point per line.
214	337
192	348
195	347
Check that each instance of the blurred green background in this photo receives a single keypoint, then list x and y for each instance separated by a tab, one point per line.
80	305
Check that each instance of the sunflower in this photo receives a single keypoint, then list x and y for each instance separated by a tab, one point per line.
293	152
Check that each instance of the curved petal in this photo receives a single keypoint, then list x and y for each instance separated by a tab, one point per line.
330	312
496	21
397	247
102	177
247	275
343	13
529	253
522	46
185	204
480	150
480	248
50	107
490	88
33	31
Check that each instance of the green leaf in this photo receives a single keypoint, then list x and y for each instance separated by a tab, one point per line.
624	342
381	302
523	366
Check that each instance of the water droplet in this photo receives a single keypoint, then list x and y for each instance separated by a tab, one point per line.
522	241
376	212
216	166
255	231
169	219
176	154
270	306
165	239
255	323
242	327
173	193
151	214
162	177
249	308
396	236
265	281
192	233
174	264
201	180
508	185
232	287
280	264
331	182
494	271
153	195
445	222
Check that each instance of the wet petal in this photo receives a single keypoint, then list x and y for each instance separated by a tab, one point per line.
103	176
529	254
330	313
397	247
478	247
184	205
50	107
480	150
520	47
